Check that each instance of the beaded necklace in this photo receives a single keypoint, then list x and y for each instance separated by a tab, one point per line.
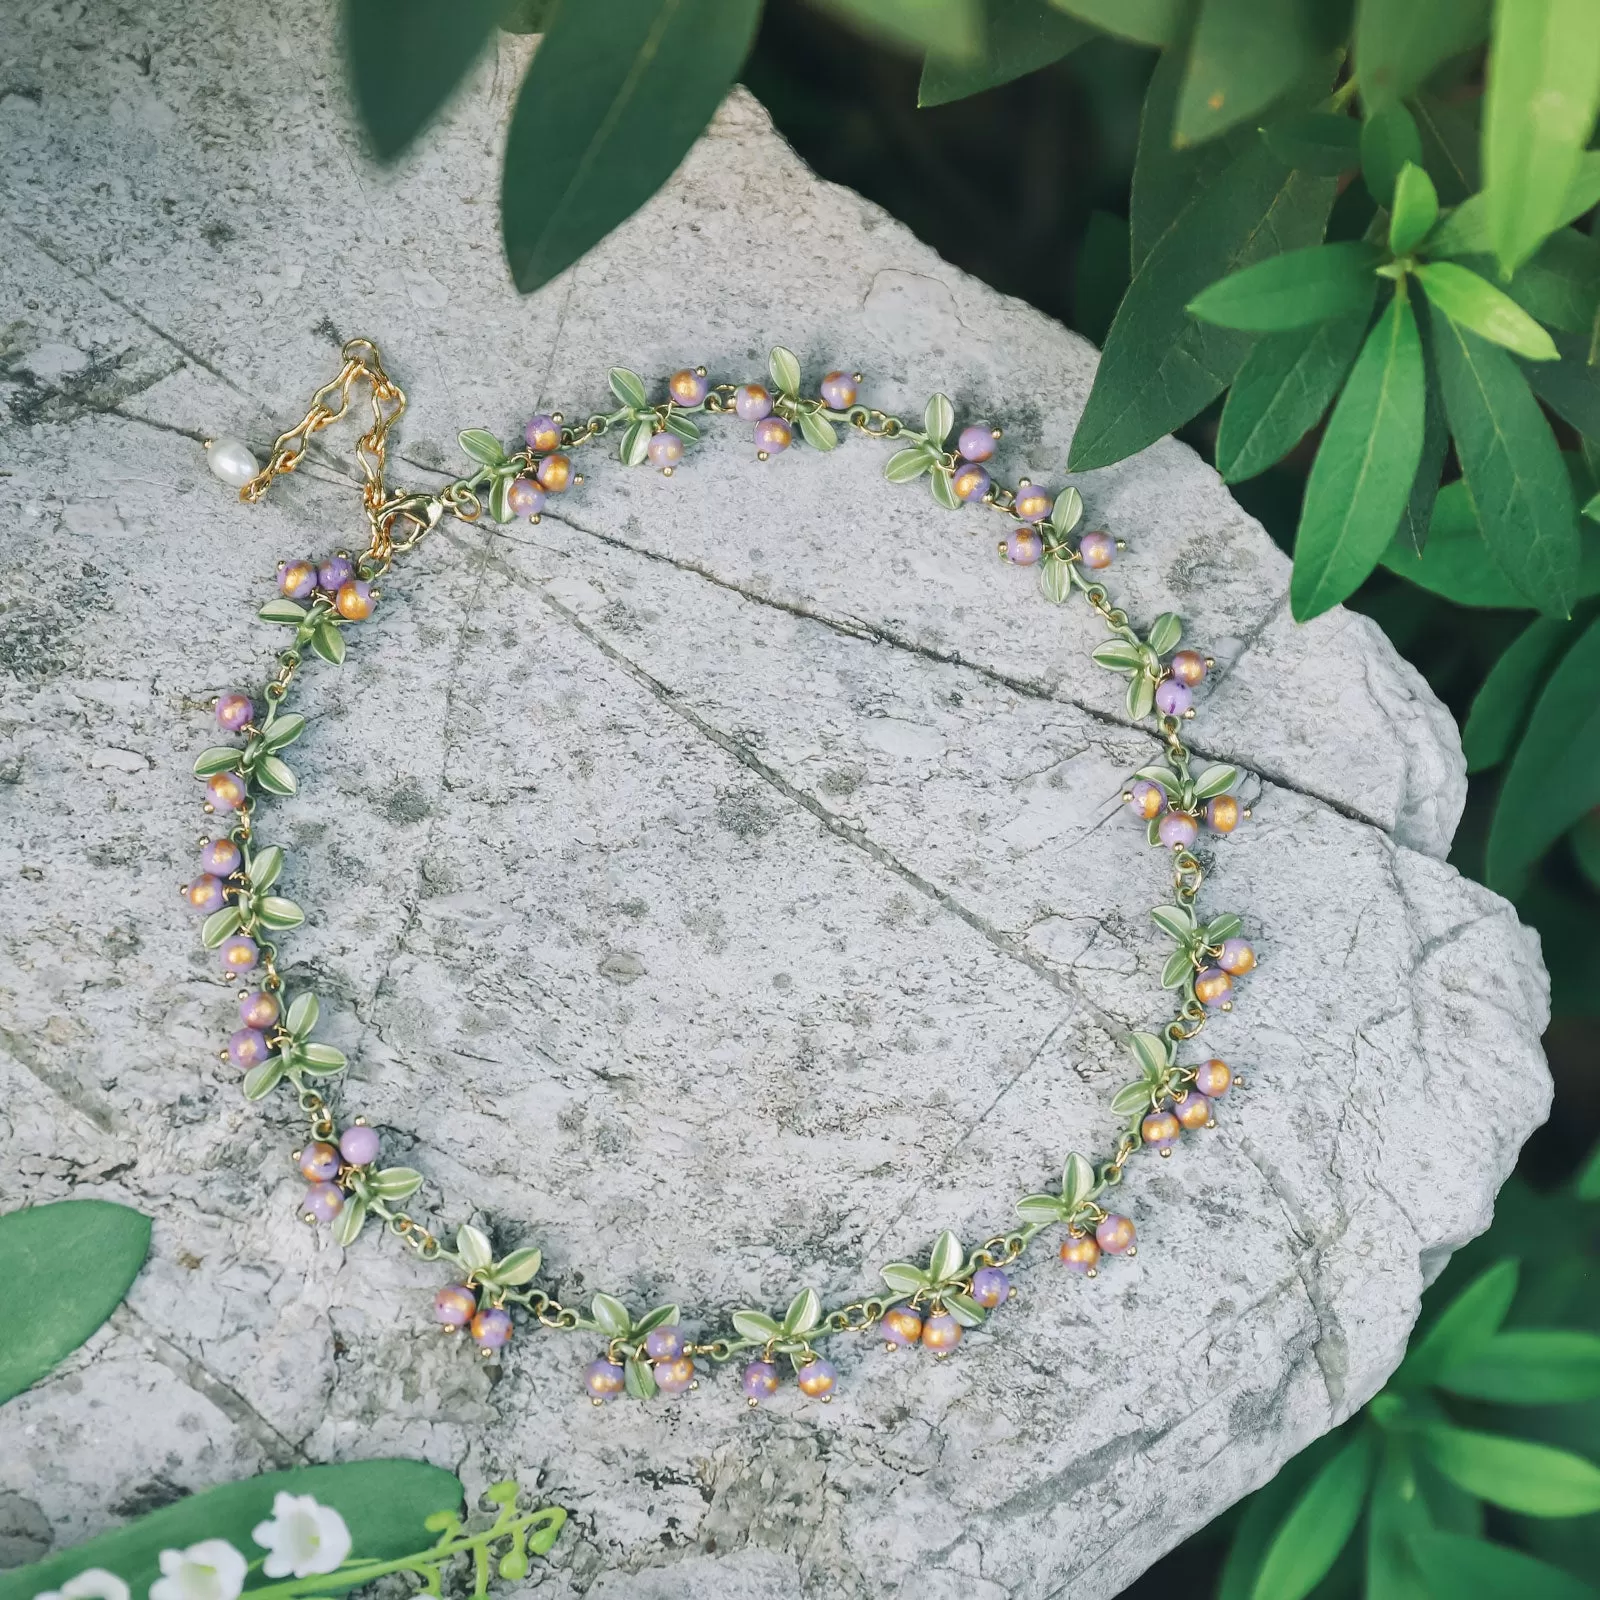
956	1288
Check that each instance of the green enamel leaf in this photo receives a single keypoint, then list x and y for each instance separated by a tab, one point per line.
756	1325
656	1317
1415	210
1389	139
1363	472
220	758
1040	1208
1165	776
302	1015
1223	927
328	642
1397	47
1177	922
261	1080
1141	695
963	1308
1315	141
321	1059
1177	971
283	611
1500	709
1319	1525
628	387
1066	513
1539	109
347	1225
1055	580
685	427
219	926
1131	1097
804	1313
1473	302
904	465
942	489
264	868
275	777
947	1258
904	1278
482	446
1151	1053
634	450
613	99
1165	632
1534	1479
500	500
277	913
784	368
1019	36
400	1183
638	1379
1464	1326
1215	780
817	431
938	418
66	1267
1078	1182
1118	655
284	731
473	1248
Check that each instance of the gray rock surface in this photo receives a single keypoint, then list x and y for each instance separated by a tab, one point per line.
719	883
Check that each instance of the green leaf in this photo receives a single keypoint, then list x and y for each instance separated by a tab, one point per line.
264	868
634	450
1118	655
1539	108
1398	45
384	1504
1151	1053
1055	580
614	97
947	1258
1416	209
1528	1367
942	489
950	27
261	1080
1282	390
1165	632
963	1308
1157	22
628	387
1215	780
1536	1479
1389	139
1511	465
321	1058
347	1225
1571	387
1175	921
1465	231
638	1379
1449	132
406	58
938	418
284	731
817	431
1363	472
1465	1568
1040	1208
1472	302
66	1267
500	499
302	1014
1223	927
481	446
756	1325
904	1278
1319	1526
1244	54
1294	289
1464	1325
1554	778
1019	36
1078	1182
277	913
904	465
328	642
685	427
1500	709
283	611
1398	1511
219	758
804	1313
219	926
785	370
656	1317
1160	366
1066	513
1316	141
1418	514
1141	695
1177	970
275	777
400	1183
1131	1097
610	1315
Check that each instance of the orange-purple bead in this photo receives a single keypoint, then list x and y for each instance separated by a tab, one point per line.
970	482
662	1344
1222	813
1024	546
1160	1130
233	710
319	1161
220	857
674	1375
247	1047
525	497
238	953
204	894
772	435
941	1333
1177	830
358	1145
1148	799
1236	957
1032	503
1212	1078
817	1378
1115	1235
324	1201
688	387
604	1380
225	791
1213	986
1189	667
902	1326
455	1305
335	573
752	402
1192	1110
665	449
839	390
297	579
258	1009
555	473
1097	551
759	1380
990	1287
1080	1254
543	434
354	600
975	442
491	1328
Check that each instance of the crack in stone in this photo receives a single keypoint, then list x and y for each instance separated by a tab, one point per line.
62	1085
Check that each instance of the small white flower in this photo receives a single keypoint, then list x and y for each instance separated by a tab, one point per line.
304	1538
210	1570
94	1584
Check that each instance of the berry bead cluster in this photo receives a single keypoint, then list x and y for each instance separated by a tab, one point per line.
930	1305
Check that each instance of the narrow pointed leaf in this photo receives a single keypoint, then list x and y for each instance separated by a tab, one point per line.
951	27
1315	141
302	1014
1040	1208
1528	1367
1389	139
1536	1479
219	758
347	1225
904	1278
1019	36
784	368
817	431
1078	1182
1319	1525
1464	1325
628	387
938	418
1398	46
261	1080
1473	302
1157	22
275	776
1500	708
608	1312
328	642
1165	632
904	465
1416	209
804	1313
265	867
218	926
638	1379
1292	290
1417	517
1473	1569
756	1325
963	1308
472	1245
947	1257
284	731
1465	231
481	446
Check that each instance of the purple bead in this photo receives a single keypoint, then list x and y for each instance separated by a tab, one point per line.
1115	1235
247	1047
297	579
1097	551
491	1328
354	600
543	434
257	1009
1032	503
525	497
772	435
662	1344
688	387
990	1287
902	1326
975	443
1237	957
970	482
319	1162
1213	987
1177	831
204	894
324	1201
752	402
604	1379
665	449
239	954
674	1376
455	1305
225	791
1160	1130
220	857
1024	546
839	390
233	710
1173	698
817	1378
358	1144
941	1333
1148	799
759	1380
335	572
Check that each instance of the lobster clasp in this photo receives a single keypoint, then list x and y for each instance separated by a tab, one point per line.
401	523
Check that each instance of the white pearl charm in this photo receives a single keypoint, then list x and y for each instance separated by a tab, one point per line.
231	460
